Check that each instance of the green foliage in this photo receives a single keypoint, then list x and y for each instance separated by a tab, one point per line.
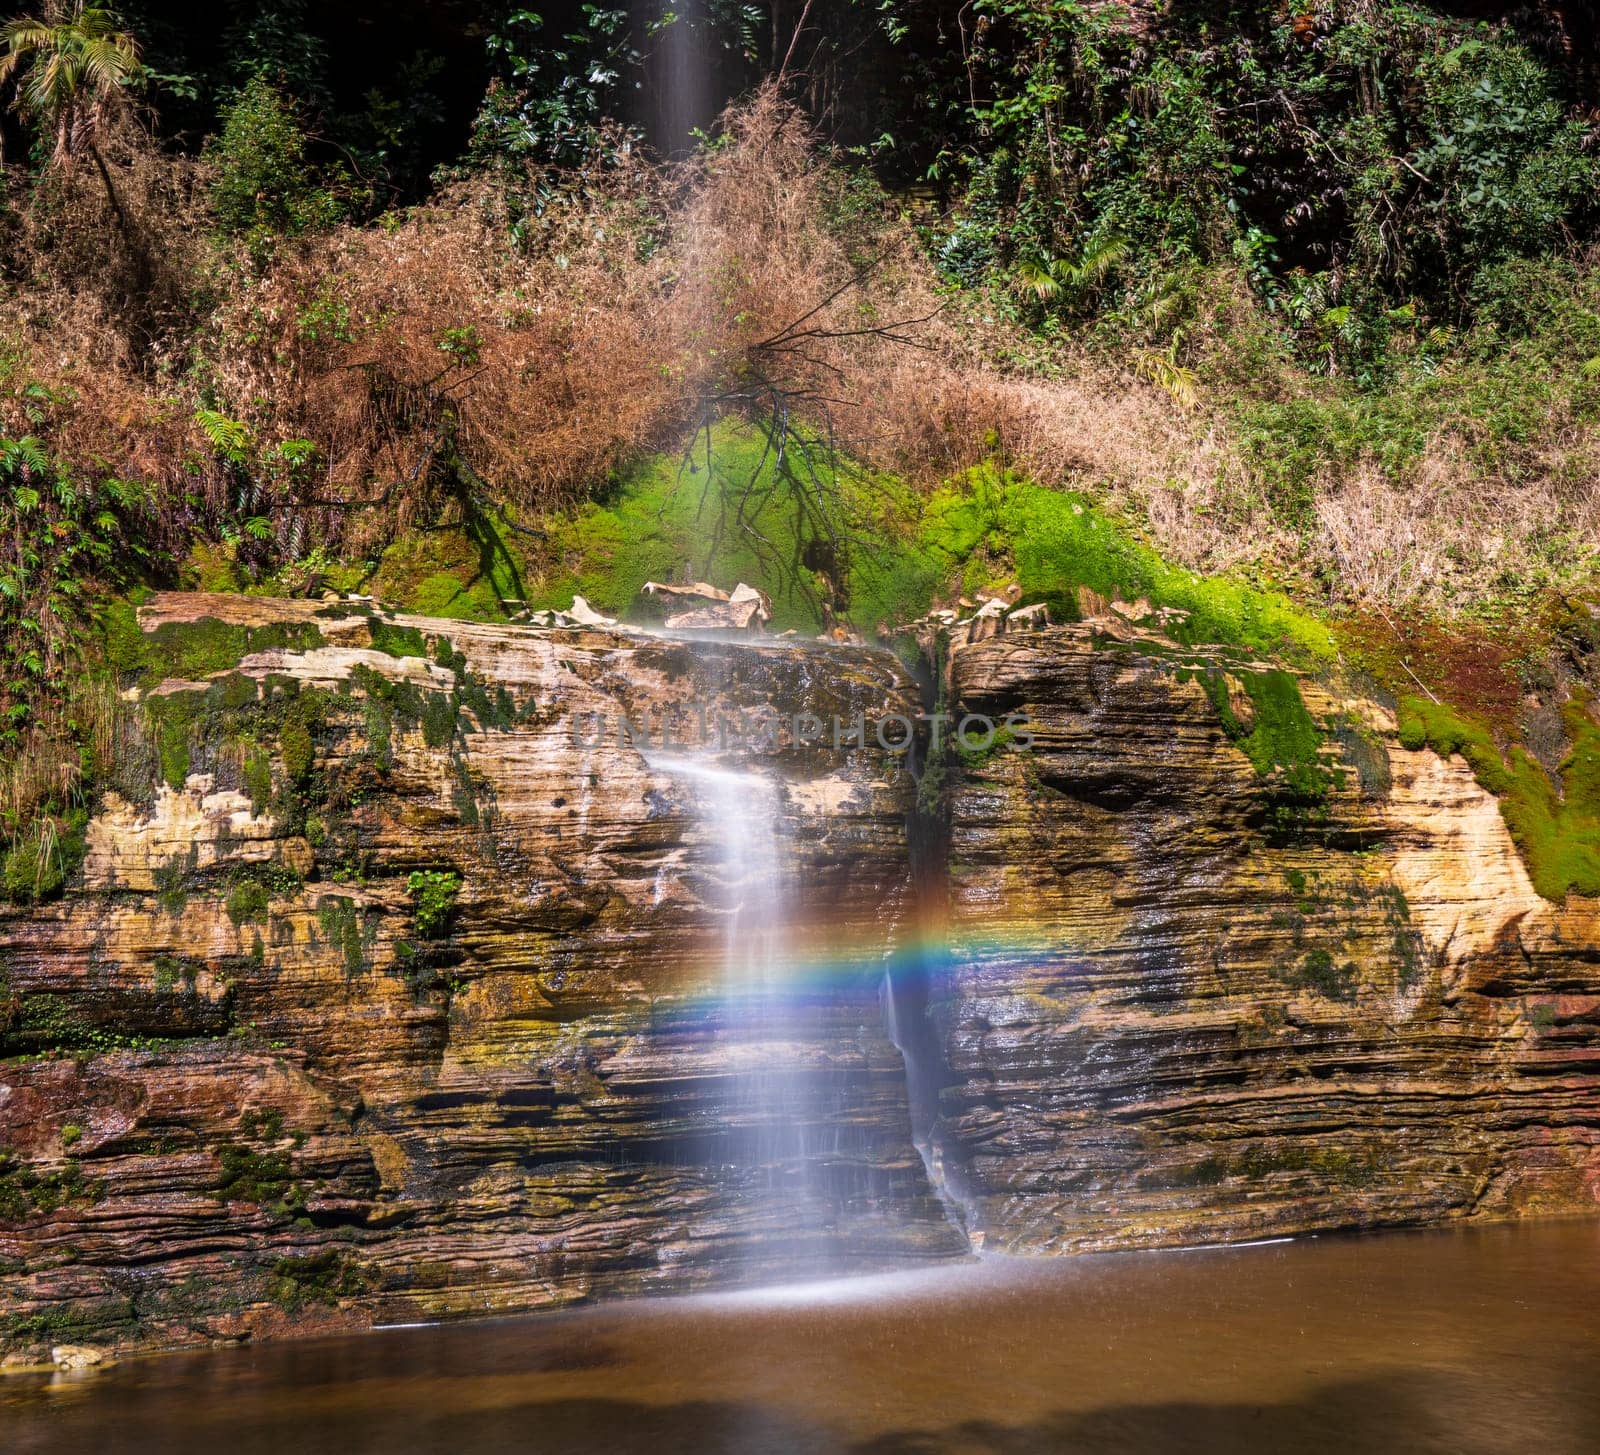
552	94
434	892
43	856
71	68
1385	159
248	903
1556	826
263	186
60	538
1509	168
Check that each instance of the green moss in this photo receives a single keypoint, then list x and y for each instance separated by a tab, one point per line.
1556	825
193	650
248	903
1283	742
472	572
322	1278
258	779
27	1191
172	880
1059	542
377	725
166	974
1319	971
298	749
981	531
253	1175
172	746
398	641
438	720
664	518
122	637
342	926
43	1022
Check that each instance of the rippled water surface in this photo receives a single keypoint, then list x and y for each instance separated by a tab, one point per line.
1461	1341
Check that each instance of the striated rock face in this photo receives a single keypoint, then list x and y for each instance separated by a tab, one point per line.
405	995
1183	1004
400	981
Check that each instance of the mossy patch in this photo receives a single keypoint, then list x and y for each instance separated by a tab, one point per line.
248	903
195	650
989	527
345	927
1283	742
472	570
1051	542
321	1278
1556	825
397	641
27	1191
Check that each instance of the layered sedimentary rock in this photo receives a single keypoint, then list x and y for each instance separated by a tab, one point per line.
398	977
392	987
1191	999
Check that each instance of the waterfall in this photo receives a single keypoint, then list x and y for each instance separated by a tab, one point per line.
779	1140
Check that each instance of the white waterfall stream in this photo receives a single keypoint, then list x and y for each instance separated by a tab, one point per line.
776	1114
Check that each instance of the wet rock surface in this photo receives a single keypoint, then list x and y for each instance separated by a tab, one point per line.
404	999
1185	1003
391	986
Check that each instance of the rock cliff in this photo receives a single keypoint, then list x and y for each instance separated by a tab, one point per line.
1188	1000
393	986
391	989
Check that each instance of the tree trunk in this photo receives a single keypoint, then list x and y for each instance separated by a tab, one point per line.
112	198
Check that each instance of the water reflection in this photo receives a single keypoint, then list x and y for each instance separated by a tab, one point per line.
1480	1340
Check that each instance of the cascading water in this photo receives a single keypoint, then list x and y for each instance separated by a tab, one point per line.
814	1108
779	1136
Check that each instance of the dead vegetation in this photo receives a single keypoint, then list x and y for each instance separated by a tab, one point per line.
360	380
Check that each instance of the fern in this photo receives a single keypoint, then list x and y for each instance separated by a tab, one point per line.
229	438
1161	368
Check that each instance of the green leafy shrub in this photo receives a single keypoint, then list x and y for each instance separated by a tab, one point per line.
434	892
263	185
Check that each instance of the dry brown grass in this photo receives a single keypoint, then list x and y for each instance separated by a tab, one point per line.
419	356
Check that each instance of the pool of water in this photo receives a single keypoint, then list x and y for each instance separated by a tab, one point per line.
1460	1341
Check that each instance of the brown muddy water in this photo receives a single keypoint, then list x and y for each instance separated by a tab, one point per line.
1458	1341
